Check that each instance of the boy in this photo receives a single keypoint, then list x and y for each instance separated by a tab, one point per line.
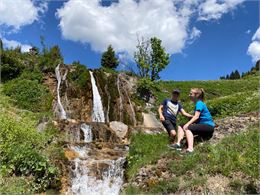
168	111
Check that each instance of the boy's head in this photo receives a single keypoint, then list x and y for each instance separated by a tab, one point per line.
175	94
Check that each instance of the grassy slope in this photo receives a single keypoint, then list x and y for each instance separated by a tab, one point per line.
234	154
227	99
19	128
223	97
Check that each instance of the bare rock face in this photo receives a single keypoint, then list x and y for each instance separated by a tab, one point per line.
120	129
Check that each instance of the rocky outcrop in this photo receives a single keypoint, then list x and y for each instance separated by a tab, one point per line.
115	90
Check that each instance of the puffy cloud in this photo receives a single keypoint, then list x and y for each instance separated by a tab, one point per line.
194	34
214	9
14	44
18	13
254	47
121	23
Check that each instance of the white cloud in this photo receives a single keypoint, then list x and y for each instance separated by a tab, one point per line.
254	47
214	9
13	44
194	34
121	23
17	13
248	31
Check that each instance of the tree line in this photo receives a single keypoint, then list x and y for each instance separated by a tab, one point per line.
236	75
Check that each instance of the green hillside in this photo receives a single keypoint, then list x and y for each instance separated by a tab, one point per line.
224	98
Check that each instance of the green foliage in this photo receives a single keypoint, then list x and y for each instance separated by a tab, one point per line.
145	149
145	87
151	58
50	59
234	104
80	75
20	146
11	66
159	58
236	153
15	185
108	59
32	75
29	94
143	58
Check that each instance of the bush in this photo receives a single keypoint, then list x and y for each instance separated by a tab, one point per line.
234	104
29	94
20	149
80	75
32	75
11	67
145	88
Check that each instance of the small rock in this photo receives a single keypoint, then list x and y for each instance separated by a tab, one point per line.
119	128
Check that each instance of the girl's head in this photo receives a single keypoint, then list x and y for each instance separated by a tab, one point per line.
196	94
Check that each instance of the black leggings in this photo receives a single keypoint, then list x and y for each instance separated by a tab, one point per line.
202	130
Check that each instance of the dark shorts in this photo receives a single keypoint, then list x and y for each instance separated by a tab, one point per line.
202	130
169	125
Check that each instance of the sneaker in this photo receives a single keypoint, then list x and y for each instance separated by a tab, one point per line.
189	151
175	146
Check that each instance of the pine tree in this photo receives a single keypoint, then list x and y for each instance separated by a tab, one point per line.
236	75
108	59
232	76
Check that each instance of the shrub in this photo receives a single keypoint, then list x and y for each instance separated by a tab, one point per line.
11	67
20	149
32	75
29	94
80	75
145	88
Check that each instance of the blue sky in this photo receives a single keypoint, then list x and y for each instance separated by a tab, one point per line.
204	43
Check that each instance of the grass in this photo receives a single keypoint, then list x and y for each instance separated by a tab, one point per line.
233	154
28	161
145	149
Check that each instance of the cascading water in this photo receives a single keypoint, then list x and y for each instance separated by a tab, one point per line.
98	112
88	137
96	171
62	113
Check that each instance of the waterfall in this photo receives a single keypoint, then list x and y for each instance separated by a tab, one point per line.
109	184
62	113
88	137
98	113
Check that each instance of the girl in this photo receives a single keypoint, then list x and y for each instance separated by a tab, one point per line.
200	124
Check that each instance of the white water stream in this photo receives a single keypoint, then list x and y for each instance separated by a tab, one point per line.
62	113
98	112
108	181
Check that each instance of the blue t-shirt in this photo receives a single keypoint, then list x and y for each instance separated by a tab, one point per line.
205	116
171	109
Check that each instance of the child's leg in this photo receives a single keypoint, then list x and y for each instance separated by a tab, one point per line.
190	139
180	135
172	136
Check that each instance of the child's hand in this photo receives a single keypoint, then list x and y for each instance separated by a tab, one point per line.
162	118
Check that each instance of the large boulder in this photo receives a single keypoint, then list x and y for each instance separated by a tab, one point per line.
119	128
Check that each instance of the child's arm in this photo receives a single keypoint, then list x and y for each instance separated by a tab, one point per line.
184	113
160	113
